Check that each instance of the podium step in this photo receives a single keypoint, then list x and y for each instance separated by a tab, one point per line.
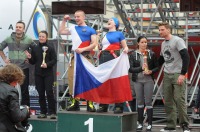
43	125
83	121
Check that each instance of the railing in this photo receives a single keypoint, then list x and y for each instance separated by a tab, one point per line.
192	78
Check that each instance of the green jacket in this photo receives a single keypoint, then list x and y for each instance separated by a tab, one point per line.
16	51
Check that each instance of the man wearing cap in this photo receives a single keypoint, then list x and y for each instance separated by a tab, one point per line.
111	44
83	41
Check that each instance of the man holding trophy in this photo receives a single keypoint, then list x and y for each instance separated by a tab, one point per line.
143	64
44	58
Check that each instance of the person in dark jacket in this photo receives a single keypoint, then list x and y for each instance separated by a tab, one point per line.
10	112
44	58
143	64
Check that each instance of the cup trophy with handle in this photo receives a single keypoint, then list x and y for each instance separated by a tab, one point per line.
44	48
146	69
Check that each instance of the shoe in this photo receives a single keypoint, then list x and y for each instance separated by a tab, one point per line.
118	110
167	129
102	109
42	116
90	107
29	128
185	128
74	106
139	127
52	116
149	128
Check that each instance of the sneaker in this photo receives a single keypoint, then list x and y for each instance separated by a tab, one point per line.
139	127
102	109
74	106
185	128
42	116
29	128
149	128
118	110
167	129
90	107
52	116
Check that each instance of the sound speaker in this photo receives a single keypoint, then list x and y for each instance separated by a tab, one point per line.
189	5
70	7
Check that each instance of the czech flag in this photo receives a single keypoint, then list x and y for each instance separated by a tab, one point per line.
107	84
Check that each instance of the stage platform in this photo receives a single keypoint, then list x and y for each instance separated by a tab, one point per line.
82	121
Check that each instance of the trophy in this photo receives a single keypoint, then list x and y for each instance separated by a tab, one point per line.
145	60
44	48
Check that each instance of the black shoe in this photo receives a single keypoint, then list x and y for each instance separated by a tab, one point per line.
167	129
102	109
74	106
139	128
42	116
90	107
185	128
118	110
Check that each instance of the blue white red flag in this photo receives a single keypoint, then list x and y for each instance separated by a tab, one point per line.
108	83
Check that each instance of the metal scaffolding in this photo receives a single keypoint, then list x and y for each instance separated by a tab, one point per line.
141	17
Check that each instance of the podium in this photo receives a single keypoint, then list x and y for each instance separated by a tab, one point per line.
43	125
83	121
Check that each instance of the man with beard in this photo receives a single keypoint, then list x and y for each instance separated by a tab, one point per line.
175	57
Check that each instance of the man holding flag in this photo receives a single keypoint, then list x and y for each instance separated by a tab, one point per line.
83	40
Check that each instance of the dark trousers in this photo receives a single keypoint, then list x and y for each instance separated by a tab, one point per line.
119	105
45	83
197	103
24	89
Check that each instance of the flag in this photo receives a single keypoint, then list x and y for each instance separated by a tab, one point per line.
108	83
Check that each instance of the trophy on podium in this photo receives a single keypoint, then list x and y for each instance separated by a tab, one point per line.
44	48
146	69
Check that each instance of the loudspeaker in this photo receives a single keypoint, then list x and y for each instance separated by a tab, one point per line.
70	7
189	5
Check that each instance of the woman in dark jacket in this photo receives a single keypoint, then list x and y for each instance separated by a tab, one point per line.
143	64
10	113
44	58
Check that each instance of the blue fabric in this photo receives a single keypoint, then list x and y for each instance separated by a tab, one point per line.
116	22
84	80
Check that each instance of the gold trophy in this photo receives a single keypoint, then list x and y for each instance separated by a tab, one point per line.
44	48
146	69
